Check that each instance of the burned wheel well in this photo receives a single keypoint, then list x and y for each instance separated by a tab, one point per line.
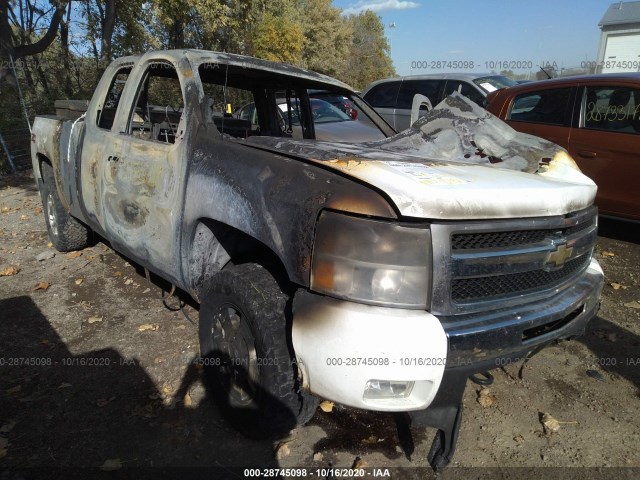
216	245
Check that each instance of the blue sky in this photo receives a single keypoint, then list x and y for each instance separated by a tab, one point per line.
529	32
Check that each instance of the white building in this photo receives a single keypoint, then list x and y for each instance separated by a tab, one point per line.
620	38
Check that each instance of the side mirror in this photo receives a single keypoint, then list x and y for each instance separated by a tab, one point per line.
419	101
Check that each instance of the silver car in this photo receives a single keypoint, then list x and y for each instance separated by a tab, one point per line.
393	97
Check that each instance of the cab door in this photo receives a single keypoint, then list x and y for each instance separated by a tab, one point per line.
606	143
142	181
102	142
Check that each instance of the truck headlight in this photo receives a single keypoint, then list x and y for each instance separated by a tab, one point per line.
371	261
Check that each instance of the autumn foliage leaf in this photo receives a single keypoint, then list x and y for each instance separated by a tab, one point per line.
9	271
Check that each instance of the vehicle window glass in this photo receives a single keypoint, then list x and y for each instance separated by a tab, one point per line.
612	108
465	89
284	111
247	112
159	107
383	95
112	100
428	88
324	112
289	121
494	82
341	102
549	106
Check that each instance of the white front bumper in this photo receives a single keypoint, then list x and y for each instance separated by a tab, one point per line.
340	346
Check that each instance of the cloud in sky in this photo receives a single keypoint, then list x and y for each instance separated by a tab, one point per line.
378	6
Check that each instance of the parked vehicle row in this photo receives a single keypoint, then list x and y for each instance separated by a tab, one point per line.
595	117
393	97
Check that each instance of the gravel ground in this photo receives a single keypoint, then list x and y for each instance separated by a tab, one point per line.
95	369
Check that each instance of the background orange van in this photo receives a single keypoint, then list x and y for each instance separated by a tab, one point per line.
596	118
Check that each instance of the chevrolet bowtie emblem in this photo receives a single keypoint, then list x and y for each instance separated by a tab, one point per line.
561	254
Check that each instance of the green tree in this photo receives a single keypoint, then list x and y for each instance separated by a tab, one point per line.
197	23
327	37
233	34
132	33
278	38
114	28
369	53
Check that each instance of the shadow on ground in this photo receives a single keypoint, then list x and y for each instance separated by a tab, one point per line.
64	415
23	180
619	229
621	356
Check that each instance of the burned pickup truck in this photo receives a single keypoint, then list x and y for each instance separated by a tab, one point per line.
331	257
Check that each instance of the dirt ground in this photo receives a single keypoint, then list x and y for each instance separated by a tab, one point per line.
96	372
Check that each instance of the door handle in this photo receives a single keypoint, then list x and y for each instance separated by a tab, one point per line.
587	154
113	158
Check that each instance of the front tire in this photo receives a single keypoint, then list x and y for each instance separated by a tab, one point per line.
247	362
65	232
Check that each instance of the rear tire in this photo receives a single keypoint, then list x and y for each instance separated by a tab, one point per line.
251	372
65	232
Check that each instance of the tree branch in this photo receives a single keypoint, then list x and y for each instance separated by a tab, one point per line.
42	44
107	30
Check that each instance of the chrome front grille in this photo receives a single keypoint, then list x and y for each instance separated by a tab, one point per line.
482	288
470	241
483	265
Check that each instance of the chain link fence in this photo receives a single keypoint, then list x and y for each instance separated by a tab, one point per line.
16	150
15	129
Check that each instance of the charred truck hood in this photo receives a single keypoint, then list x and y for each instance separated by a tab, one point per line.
458	162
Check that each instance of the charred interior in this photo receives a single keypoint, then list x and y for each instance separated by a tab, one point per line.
244	102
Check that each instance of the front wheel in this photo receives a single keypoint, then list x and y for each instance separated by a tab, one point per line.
251	372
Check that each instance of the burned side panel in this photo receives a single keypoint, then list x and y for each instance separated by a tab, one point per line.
45	142
141	198
273	199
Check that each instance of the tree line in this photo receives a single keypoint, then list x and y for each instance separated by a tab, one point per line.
60	48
